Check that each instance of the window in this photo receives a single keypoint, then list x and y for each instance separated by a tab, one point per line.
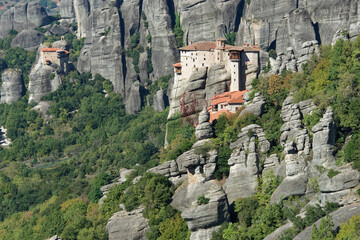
204	59
202	64
193	59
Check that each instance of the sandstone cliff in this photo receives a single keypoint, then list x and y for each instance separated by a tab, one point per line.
27	15
12	87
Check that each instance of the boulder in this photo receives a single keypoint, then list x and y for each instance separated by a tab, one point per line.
207	216
342	181
28	39
290	186
56	237
256	106
127	225
12	87
59	30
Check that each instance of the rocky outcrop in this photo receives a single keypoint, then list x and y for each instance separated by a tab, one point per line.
203	129
159	103
202	219
133	102
56	237
159	15
28	39
195	93
127	225
40	82
296	142
101	54
12	87
283	24
26	15
324	140
288	61
254	106
206	20
58	30
244	162
354	31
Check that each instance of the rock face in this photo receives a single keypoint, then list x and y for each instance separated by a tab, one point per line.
199	218
296	142
27	15
28	39
282	24
108	34
204	129
256	106
324	140
12	87
244	162
159	102
43	80
288	61
206	20
127	225
133	102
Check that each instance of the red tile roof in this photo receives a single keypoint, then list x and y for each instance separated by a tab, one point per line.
53	50
216	115
200	46
207	46
177	65
228	97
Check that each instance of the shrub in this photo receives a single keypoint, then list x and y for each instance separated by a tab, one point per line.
148	38
230	38
325	231
352	151
202	200
332	173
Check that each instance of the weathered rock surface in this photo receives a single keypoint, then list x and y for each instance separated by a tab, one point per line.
206	20
12	87
283	24
244	163
56	237
26	15
346	179
59	30
159	16
159	102
40	82
127	225
133	102
324	140
203	129
207	216
290	186
254	106
28	39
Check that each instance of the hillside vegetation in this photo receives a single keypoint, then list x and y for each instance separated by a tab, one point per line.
52	172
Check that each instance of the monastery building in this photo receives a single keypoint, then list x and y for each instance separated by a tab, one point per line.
237	60
55	57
